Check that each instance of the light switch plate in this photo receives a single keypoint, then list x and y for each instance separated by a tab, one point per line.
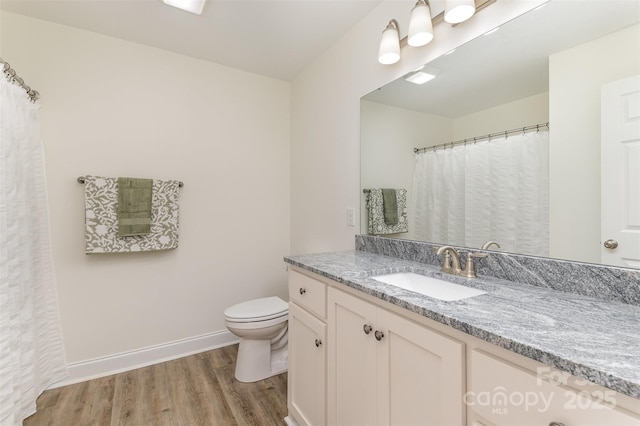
351	216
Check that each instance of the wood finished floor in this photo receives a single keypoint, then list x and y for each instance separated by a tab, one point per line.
196	390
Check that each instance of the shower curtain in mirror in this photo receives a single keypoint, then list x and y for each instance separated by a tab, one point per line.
31	348
491	190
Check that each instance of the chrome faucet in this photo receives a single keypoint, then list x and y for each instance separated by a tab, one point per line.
488	244
451	263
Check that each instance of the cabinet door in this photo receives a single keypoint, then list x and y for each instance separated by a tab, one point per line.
421	374
307	367
351	360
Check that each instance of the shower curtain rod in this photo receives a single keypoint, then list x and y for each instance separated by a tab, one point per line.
12	76
506	133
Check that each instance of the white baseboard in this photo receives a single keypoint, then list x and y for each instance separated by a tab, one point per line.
125	361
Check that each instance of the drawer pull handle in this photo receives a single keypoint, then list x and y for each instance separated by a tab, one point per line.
318	343
367	328
556	424
379	335
302	291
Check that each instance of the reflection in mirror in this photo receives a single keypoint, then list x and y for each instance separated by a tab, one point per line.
570	64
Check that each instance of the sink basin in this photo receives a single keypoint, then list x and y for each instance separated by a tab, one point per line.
429	286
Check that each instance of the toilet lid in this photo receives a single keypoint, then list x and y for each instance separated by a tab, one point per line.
257	310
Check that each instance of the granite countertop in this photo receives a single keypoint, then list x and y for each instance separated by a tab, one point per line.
591	338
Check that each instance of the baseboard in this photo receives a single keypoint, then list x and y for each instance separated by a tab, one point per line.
125	361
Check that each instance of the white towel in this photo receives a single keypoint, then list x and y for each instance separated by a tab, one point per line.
377	225
101	218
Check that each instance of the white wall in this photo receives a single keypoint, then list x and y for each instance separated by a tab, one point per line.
574	192
116	108
521	113
325	103
388	136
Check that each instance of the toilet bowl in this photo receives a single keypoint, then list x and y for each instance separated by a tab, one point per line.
261	325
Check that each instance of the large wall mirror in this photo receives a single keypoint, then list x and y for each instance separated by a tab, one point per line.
572	64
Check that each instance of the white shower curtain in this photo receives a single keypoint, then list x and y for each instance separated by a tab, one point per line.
31	348
491	190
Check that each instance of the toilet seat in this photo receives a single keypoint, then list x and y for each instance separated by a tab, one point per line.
256	310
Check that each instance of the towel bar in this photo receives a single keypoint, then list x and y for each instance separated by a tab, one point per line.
81	180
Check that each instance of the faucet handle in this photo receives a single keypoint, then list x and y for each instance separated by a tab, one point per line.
450	262
470	267
446	262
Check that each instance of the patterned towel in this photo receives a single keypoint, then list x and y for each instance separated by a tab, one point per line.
375	206
101	218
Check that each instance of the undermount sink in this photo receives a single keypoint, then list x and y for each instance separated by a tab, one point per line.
429	286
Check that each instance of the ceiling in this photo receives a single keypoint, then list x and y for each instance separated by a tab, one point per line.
510	64
275	38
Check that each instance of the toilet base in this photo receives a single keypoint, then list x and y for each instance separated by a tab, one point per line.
256	361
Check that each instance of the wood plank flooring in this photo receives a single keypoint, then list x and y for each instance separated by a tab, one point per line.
192	391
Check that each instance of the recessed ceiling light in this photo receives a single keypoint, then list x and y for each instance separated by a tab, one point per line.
420	77
193	6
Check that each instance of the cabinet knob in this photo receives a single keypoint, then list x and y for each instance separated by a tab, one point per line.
556	424
379	335
302	291
367	328
318	343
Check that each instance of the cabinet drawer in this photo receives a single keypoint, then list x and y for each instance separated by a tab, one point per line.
308	293
506	394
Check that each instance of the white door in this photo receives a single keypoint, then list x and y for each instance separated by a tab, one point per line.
620	173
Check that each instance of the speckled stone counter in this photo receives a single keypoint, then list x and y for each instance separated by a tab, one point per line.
595	339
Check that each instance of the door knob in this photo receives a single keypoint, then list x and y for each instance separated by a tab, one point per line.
610	244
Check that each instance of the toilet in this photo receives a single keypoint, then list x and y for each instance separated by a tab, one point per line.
261	325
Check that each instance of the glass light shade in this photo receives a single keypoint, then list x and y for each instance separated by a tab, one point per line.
389	52
420	25
457	11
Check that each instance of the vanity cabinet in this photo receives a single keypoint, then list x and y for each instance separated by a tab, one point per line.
503	393
384	369
306	393
357	360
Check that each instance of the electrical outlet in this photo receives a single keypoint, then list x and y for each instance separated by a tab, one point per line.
351	216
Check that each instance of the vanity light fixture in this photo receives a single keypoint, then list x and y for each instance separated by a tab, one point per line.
457	11
389	52
420	77
193	6
420	25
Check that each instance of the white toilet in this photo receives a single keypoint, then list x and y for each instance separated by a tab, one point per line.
261	325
